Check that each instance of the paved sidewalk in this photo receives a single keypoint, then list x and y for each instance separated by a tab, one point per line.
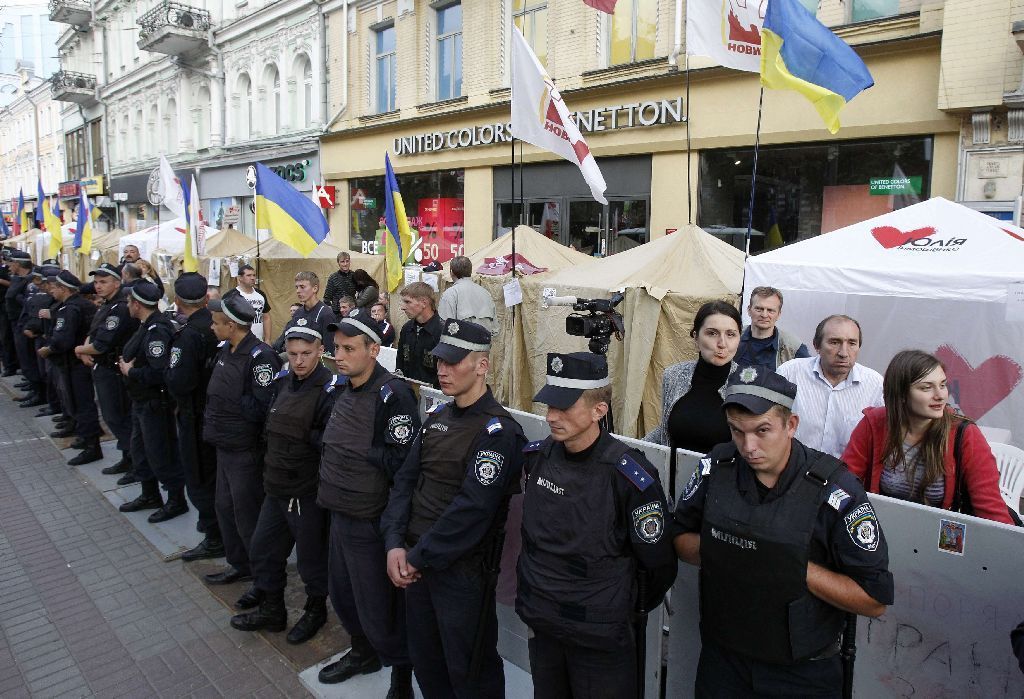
89	608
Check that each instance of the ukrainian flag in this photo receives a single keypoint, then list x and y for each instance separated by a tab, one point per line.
800	53
83	232
5	232
40	204
23	221
52	219
398	240
287	213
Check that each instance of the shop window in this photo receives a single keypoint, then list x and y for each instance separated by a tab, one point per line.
805	190
864	10
433	205
632	31
531	16
449	52
386	69
75	153
96	146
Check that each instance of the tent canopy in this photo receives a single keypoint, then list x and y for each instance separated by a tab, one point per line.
536	248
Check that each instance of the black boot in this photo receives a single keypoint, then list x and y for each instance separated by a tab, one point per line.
361	660
79	443
32	401
46	412
122	466
310	622
207	548
401	682
174	506
270	616
90	452
149	499
63	431
127	479
250	599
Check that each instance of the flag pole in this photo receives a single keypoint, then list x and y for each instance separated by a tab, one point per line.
753	179
689	151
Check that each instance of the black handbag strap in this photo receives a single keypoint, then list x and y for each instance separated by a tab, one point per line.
959	504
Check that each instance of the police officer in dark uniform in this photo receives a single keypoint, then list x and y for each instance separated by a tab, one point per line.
311	313
444	523
367	440
419	335
154	444
112	327
7	349
40	300
594	514
238	399
17	294
303	397
787	544
70	327
187	376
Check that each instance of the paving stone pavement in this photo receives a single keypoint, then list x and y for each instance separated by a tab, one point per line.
89	608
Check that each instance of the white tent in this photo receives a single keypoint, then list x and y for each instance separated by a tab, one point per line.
935	276
168	237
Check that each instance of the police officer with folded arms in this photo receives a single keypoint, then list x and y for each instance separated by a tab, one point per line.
369	435
187	376
594	514
112	327
70	327
303	397
237	401
444	523
36	312
154	443
787	545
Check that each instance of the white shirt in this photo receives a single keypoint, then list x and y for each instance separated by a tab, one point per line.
828	414
466	300
257	301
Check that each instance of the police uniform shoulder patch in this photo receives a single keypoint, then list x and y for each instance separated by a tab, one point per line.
533	447
400	428
256	351
175	356
634	472
112	322
281	374
862	526
436	408
221	343
838	498
649	522
694	483
493	426
59	324
157	348
332	384
263	374
386	392
487	466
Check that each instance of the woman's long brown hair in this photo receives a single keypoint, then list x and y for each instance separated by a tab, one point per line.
907	368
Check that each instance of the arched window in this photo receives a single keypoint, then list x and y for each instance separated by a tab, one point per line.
303	99
271	102
171	127
139	151
243	116
153	131
202	121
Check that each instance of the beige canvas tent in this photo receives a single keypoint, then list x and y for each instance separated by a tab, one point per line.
665	282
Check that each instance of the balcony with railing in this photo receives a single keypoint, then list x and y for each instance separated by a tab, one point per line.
74	12
68	86
175	29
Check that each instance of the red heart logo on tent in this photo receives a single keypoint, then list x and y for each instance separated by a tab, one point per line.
978	390
891	237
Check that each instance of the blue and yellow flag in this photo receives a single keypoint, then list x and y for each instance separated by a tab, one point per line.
800	53
23	224
398	240
287	213
5	232
52	219
83	232
40	204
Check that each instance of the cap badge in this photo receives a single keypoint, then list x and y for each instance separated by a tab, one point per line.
301	321
556	365
453	328
748	374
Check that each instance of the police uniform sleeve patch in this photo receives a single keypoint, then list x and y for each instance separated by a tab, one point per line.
533	447
112	322
385	393
634	472
705	467
157	348
487	466
281	374
175	356
694	483
436	407
862	526
256	351
59	324
649	522
493	426
263	374
400	428
329	386
838	499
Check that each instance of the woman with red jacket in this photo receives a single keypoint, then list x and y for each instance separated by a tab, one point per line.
906	449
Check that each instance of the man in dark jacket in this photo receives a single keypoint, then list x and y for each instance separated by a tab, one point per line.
340	283
420	335
312	312
17	296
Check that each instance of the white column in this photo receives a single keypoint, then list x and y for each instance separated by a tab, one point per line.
217	109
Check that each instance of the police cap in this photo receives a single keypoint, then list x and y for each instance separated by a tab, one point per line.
303	332
190	287
50	272
758	390
236	308
358	322
459	338
87	288
106	269
38	272
67	279
569	375
146	292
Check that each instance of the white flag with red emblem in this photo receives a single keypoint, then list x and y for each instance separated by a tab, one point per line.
603	5
540	117
728	32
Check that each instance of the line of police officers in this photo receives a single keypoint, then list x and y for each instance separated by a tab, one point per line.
402	524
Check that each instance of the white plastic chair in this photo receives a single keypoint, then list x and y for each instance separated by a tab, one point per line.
1010	462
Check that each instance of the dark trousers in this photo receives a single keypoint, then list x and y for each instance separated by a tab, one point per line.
154	444
723	674
114	404
442	612
361	592
83	400
239	500
199	463
26	350
60	383
53	396
8	352
285	523
565	671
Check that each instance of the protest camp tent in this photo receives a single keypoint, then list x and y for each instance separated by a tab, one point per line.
935	276
665	282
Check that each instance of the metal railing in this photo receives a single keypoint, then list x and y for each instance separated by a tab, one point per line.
69	80
174	14
82	5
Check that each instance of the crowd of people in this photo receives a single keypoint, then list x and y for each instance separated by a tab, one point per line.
400	521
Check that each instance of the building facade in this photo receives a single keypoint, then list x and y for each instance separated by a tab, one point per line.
429	83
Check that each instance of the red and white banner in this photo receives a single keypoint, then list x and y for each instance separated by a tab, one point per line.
540	117
603	5
728	31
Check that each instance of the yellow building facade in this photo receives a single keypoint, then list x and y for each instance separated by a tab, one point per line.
429	84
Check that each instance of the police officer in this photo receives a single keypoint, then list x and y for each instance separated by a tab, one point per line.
594	514
238	399
7	349
112	327
154	444
311	313
303	397
70	327
193	352
444	523
787	543
38	301
368	438
17	294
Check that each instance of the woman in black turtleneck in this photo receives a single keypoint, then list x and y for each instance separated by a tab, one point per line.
691	398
